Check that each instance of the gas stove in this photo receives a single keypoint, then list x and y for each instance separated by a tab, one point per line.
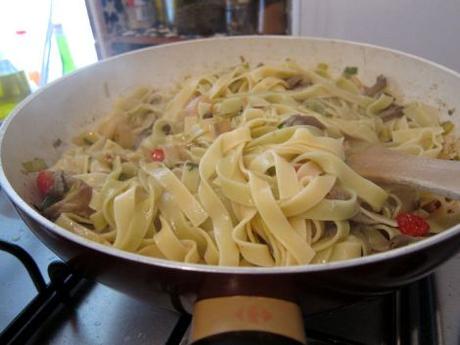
44	302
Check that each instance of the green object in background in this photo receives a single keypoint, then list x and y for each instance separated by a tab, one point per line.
14	87
64	51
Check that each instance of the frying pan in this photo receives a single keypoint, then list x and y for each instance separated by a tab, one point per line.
260	303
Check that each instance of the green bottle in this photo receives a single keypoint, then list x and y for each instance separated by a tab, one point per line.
64	50
14	87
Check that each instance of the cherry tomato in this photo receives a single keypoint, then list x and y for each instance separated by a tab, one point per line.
45	181
412	225
158	155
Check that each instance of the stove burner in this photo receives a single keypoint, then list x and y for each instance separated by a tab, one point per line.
49	299
408	316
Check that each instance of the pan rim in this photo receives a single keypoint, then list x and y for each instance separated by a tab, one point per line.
203	268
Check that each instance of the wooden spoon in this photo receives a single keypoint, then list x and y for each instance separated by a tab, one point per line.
380	164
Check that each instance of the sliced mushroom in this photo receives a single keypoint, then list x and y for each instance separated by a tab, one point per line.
174	153
401	241
146	132
432	206
302	120
337	193
222	126
61	185
361	218
380	85
392	112
296	82
397	241
76	201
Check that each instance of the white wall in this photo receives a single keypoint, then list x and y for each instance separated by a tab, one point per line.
428	28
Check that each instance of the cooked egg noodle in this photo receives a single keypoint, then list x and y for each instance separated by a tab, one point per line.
237	186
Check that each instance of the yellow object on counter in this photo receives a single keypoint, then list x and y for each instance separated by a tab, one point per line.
14	87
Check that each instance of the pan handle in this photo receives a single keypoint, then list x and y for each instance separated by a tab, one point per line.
245	320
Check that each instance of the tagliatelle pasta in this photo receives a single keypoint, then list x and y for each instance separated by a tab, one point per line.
247	167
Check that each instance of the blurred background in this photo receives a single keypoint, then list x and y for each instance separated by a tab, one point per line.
41	40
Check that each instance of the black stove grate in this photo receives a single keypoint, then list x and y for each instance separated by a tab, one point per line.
49	299
410	313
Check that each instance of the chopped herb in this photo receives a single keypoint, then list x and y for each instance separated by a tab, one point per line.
447	126
190	166
157	224
281	125
87	141
350	71
242	59
166	129
57	143
34	165
123	177
271	171
451	111
48	201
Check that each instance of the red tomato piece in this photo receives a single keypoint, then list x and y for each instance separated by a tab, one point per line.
412	225
158	155
45	181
